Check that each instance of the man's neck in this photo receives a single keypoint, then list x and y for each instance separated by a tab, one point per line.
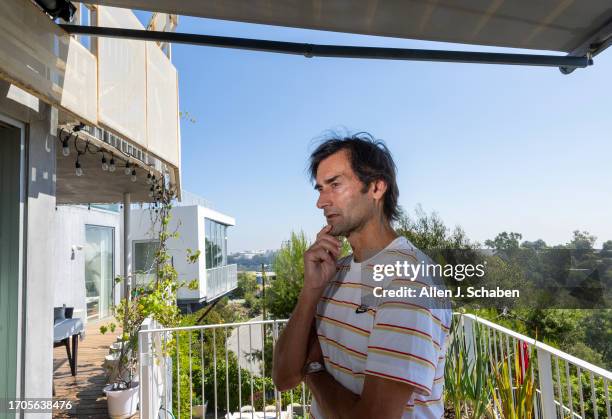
373	237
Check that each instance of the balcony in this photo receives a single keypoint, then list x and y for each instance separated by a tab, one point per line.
236	360
124	92
221	280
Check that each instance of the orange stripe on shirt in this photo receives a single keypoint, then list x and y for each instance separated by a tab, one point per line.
344	369
395	378
344	325
343	348
428	402
407	331
344	303
402	355
351	284
402	304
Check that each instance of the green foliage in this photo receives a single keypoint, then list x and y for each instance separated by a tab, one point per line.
247	284
514	397
248	289
185	115
131	316
467	382
597	326
505	241
582	240
289	268
428	231
202	349
193	256
156	300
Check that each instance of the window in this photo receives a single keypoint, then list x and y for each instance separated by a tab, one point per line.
106	207
144	261
215	243
99	270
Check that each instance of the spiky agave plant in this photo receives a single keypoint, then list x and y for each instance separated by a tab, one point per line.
514	398
466	378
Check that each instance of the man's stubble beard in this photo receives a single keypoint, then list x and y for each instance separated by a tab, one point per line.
355	221
349	226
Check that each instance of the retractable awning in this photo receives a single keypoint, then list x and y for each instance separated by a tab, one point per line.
575	27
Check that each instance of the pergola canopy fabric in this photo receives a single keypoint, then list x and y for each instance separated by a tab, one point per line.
571	26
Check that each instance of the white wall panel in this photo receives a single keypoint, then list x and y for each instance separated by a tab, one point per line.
130	88
162	105
122	82
80	82
42	59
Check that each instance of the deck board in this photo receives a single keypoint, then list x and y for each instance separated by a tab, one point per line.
84	390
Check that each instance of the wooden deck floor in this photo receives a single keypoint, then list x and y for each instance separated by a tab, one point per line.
84	390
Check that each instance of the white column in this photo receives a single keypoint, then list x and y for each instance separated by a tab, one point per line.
127	247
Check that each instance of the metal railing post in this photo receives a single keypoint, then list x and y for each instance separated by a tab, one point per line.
148	386
502	346
549	409
470	341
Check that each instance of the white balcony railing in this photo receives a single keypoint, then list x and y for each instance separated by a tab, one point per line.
221	280
558	376
236	358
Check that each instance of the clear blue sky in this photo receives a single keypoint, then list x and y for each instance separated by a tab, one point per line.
490	148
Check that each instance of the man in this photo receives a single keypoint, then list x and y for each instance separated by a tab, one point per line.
379	360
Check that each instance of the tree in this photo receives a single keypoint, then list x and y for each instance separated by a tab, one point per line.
248	289
428	231
535	245
289	268
582	240
598	334
505	241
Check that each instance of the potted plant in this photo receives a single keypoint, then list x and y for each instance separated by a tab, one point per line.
122	390
198	408
155	300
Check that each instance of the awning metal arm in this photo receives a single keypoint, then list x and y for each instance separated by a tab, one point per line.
314	50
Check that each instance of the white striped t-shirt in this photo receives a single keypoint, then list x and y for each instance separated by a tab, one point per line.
396	340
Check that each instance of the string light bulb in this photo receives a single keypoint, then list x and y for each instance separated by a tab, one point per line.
151	193
78	168
65	147
128	169
134	178
105	165
149	181
111	166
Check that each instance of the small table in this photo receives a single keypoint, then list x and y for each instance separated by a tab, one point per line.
64	331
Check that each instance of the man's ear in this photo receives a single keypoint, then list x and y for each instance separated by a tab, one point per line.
378	188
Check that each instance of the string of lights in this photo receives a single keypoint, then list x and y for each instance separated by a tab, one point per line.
157	184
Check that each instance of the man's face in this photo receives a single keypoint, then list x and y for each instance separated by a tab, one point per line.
345	206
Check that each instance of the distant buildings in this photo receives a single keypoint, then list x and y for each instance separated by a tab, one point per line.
251	260
250	254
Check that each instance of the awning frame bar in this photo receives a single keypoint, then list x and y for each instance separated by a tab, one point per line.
600	40
337	51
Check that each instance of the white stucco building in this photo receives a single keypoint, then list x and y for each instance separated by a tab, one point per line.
199	229
82	121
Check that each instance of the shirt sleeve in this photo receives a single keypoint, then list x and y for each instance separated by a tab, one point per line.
403	345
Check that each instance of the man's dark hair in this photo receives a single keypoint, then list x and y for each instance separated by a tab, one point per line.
370	160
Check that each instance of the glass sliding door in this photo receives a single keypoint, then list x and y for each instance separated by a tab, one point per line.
12	182
99	272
